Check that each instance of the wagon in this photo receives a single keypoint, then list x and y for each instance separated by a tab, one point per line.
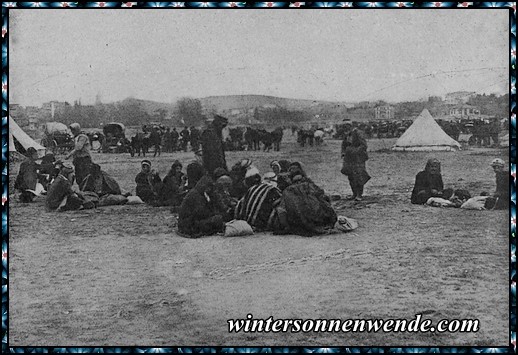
115	140
58	138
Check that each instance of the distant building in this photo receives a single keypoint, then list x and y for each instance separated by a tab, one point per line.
53	107
459	111
385	112
459	97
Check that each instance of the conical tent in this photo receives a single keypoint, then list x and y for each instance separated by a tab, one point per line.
425	135
16	134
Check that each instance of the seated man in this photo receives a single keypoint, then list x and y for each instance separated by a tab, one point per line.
27	178
173	186
258	203
304	209
148	183
428	183
60	195
198	215
100	182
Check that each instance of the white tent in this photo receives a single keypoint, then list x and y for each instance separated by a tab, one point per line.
17	134
425	135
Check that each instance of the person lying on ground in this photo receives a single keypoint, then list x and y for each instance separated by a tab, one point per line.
197	214
304	209
100	182
28	176
428	183
258	203
148	183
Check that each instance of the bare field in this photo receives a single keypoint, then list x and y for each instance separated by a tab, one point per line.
121	276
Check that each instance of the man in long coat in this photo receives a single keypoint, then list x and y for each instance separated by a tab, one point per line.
212	145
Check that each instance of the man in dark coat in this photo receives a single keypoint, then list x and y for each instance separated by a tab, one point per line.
212	145
60	195
174	139
195	139
197	215
501	196
354	154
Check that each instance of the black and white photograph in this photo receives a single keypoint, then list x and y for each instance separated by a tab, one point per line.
258	177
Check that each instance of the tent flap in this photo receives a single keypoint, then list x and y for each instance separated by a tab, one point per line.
17	134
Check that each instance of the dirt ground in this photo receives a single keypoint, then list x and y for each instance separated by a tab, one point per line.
121	276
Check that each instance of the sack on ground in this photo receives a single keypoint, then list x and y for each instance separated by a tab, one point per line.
345	224
238	228
134	200
475	203
111	200
439	202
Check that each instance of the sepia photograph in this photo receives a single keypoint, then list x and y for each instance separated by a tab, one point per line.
258	177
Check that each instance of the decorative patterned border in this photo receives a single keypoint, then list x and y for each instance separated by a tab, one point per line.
5	178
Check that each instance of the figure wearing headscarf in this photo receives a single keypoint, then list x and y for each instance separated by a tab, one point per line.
148	183
27	176
81	153
501	194
60	195
100	182
212	145
225	203
197	214
304	209
354	154
195	172
173	186
428	183
258	203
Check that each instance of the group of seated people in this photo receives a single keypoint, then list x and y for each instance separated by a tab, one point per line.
287	201
54	179
284	200
429	189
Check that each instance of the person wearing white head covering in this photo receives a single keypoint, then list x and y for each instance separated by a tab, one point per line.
81	153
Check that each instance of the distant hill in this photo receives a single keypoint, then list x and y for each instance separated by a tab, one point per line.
230	102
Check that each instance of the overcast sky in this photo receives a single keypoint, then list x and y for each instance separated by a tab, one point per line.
335	55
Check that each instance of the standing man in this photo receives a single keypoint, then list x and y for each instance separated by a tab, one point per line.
186	137
195	139
212	145
174	139
80	154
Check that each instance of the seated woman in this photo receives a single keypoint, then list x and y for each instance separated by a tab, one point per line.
27	178
428	183
197	214
60	195
500	199
100	182
195	172
173	186
148	183
238	174
258	203
225	203
278	167
304	209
